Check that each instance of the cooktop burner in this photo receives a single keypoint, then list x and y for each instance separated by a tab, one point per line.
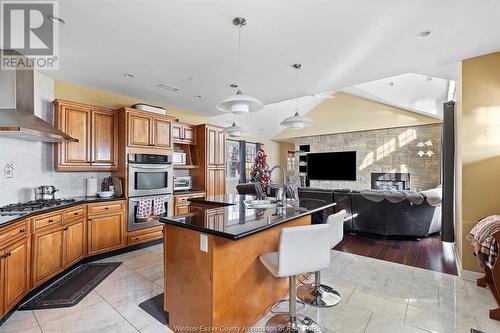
30	206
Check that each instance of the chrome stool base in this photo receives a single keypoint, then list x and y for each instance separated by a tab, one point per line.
323	296
282	323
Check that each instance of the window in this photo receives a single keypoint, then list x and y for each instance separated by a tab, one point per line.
250	155
233	160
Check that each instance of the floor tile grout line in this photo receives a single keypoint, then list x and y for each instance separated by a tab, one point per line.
121	315
368	322
36	319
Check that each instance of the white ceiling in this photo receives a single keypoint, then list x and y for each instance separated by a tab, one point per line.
192	44
413	92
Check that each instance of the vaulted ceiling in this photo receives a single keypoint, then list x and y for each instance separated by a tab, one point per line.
192	44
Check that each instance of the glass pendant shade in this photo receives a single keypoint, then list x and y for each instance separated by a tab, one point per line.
240	104
296	121
234	131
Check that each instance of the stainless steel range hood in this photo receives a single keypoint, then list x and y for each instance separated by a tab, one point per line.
19	121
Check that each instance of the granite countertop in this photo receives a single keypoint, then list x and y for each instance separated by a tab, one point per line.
7	218
235	221
188	192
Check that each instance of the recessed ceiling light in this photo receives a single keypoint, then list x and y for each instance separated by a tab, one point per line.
129	75
168	87
197	96
428	78
423	34
390	84
56	19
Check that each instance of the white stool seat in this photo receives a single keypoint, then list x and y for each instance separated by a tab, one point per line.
318	294
301	250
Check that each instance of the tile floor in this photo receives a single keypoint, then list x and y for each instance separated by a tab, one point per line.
378	296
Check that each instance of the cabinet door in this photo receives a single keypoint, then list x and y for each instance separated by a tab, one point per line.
220	181
105	233
210	185
16	267
221	148
139	130
176	131
211	147
74	243
181	209
47	255
76	123
188	134
2	285
161	133
104	136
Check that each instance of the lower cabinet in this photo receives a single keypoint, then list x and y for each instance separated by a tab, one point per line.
48	254
216	182
15	270
106	233
74	242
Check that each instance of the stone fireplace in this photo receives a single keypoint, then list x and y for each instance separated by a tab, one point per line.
390	181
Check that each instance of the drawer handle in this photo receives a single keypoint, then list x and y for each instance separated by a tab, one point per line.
51	220
106	207
137	238
65	229
75	213
22	230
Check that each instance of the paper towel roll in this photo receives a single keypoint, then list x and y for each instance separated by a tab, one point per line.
91	187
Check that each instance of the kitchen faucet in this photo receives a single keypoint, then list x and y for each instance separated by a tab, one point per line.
281	190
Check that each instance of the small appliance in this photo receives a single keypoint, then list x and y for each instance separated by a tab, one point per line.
179	157
184	183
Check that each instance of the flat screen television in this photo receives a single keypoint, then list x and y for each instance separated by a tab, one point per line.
332	166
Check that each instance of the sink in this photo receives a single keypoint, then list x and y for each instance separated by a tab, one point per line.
263	204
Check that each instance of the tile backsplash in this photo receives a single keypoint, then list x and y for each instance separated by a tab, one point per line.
32	162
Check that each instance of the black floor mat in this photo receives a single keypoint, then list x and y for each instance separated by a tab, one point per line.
71	288
154	306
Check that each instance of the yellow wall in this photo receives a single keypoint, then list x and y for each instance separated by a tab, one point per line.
480	146
348	113
78	93
276	154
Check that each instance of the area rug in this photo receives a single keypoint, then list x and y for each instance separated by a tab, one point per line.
71	288
154	307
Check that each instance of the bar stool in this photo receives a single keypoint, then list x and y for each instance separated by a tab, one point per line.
301	249
319	294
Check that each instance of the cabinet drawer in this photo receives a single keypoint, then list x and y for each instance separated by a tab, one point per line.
74	213
47	221
107	207
143	238
13	232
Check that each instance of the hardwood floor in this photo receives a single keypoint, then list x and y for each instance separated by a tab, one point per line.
429	253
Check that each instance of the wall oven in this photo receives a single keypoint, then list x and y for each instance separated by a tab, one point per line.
149	175
135	223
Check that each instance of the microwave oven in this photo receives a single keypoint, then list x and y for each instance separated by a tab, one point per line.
179	158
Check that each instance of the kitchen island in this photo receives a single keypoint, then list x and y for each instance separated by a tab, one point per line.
214	280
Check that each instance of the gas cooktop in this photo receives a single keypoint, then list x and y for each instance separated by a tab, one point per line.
31	206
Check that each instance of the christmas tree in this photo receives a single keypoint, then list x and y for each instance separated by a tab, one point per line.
260	171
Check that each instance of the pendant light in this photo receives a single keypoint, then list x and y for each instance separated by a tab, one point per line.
239	103
297	121
234	131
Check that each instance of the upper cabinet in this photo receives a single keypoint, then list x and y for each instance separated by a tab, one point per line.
183	133
215	147
148	130
97	132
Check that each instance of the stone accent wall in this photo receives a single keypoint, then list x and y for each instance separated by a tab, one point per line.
384	150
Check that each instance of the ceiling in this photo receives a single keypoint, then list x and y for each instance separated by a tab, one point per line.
192	45
413	92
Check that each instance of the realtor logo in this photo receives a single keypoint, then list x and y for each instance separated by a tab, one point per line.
27	29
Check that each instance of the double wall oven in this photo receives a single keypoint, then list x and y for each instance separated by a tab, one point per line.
150	177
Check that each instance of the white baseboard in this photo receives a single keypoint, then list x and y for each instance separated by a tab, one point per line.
470	275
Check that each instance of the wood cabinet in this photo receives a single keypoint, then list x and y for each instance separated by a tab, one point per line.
182	203
147	130
97	132
74	242
144	235
106	227
183	133
211	175
48	254
15	272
